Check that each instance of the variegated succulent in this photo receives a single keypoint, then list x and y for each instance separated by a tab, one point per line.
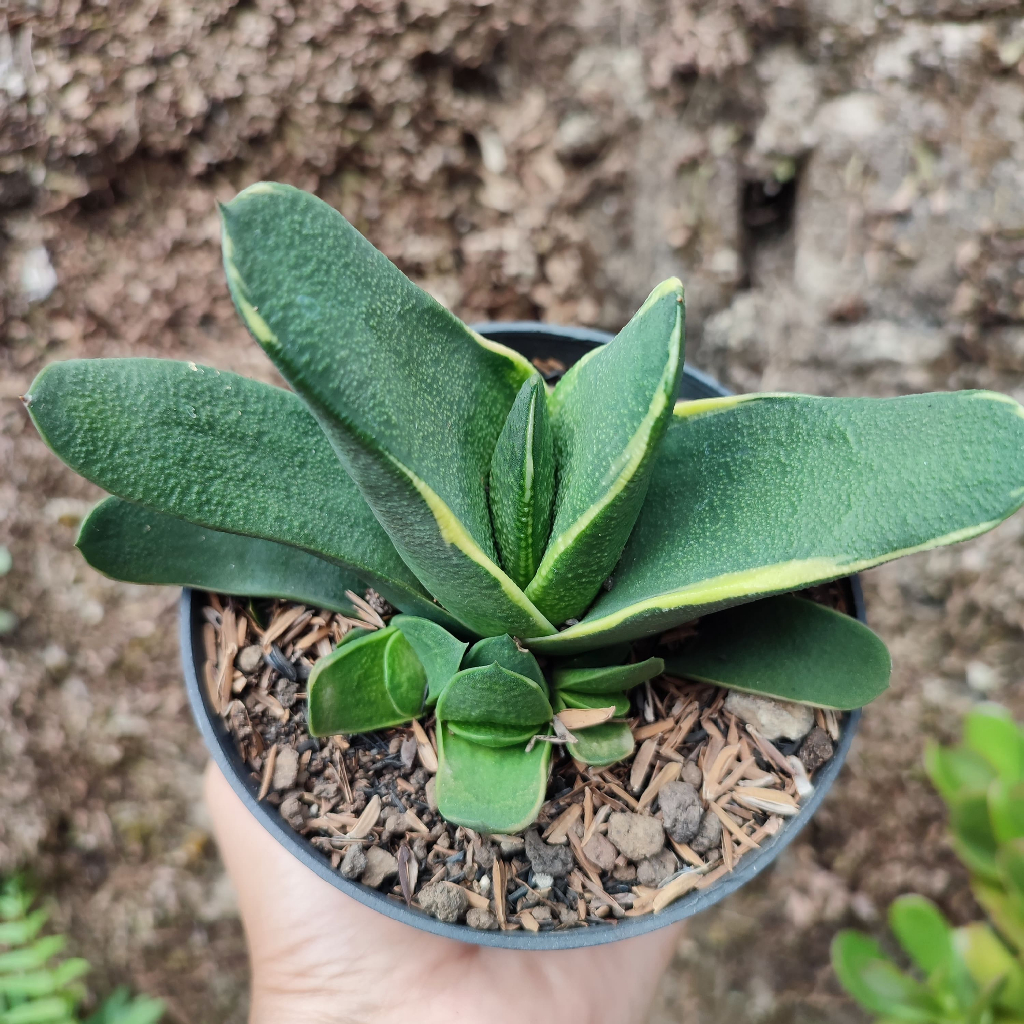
529	535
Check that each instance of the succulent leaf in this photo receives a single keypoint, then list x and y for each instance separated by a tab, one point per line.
412	400
492	695
923	932
523	483
135	544
438	651
619	701
989	961
609	413
374	682
957	771
494	735
490	789
613	679
220	451
790	648
503	650
600	745
759	494
990	731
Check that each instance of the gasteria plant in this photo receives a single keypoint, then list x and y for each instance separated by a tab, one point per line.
512	524
973	974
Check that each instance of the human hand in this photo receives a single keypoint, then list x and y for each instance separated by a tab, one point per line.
318	955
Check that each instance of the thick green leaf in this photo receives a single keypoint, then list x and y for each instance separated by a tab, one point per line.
613	679
989	961
493	695
600	657
990	731
875	982
411	399
600	745
790	648
137	545
221	451
609	413
973	837
503	650
493	735
490	789
758	494
1006	810
619	701
1004	909
956	772
523	483
349	689
438	651
923	932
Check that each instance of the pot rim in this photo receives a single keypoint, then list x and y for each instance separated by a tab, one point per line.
528	335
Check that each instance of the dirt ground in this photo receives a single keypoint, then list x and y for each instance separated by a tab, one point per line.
839	183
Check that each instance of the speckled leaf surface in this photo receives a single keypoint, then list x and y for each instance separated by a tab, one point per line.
503	650
523	483
761	494
602	745
411	399
439	652
135	544
493	695
493	735
218	450
490	789
790	648
609	413
611	679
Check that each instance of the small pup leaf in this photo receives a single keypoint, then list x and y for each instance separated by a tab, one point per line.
503	650
609	413
599	745
523	483
619	701
373	682
490	789
492	695
412	400
614	679
135	544
790	648
494	735
759	494
438	651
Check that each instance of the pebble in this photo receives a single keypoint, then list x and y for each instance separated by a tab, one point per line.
773	719
546	859
394	823
353	864
624	872
600	851
692	774
286	768
680	809
512	846
444	901
635	836
815	750
430	791
249	659
654	870
481	919
709	835
483	852
542	913
380	866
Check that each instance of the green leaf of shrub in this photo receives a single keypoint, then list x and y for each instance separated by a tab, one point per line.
490	789
759	494
438	651
990	731
371	683
989	961
790	648
48	1010
411	399
135	544
1003	906
956	771
492	695
503	650
523	483
1006	810
923	932
609	413
973	837
221	451
613	679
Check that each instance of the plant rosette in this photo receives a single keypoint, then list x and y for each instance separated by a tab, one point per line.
546	542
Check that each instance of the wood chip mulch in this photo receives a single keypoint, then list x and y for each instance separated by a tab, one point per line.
604	847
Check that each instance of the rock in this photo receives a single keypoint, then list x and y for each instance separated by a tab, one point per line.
443	900
581	136
481	919
430	792
653	871
692	774
291	811
624	873
380	866
511	846
394	823
635	836
709	835
600	851
542	913
680	809
773	719
815	750
546	859
568	915
286	768
249	659
353	864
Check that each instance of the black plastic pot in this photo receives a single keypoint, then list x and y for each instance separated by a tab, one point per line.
534	340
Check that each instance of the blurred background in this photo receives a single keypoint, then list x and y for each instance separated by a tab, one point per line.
840	185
